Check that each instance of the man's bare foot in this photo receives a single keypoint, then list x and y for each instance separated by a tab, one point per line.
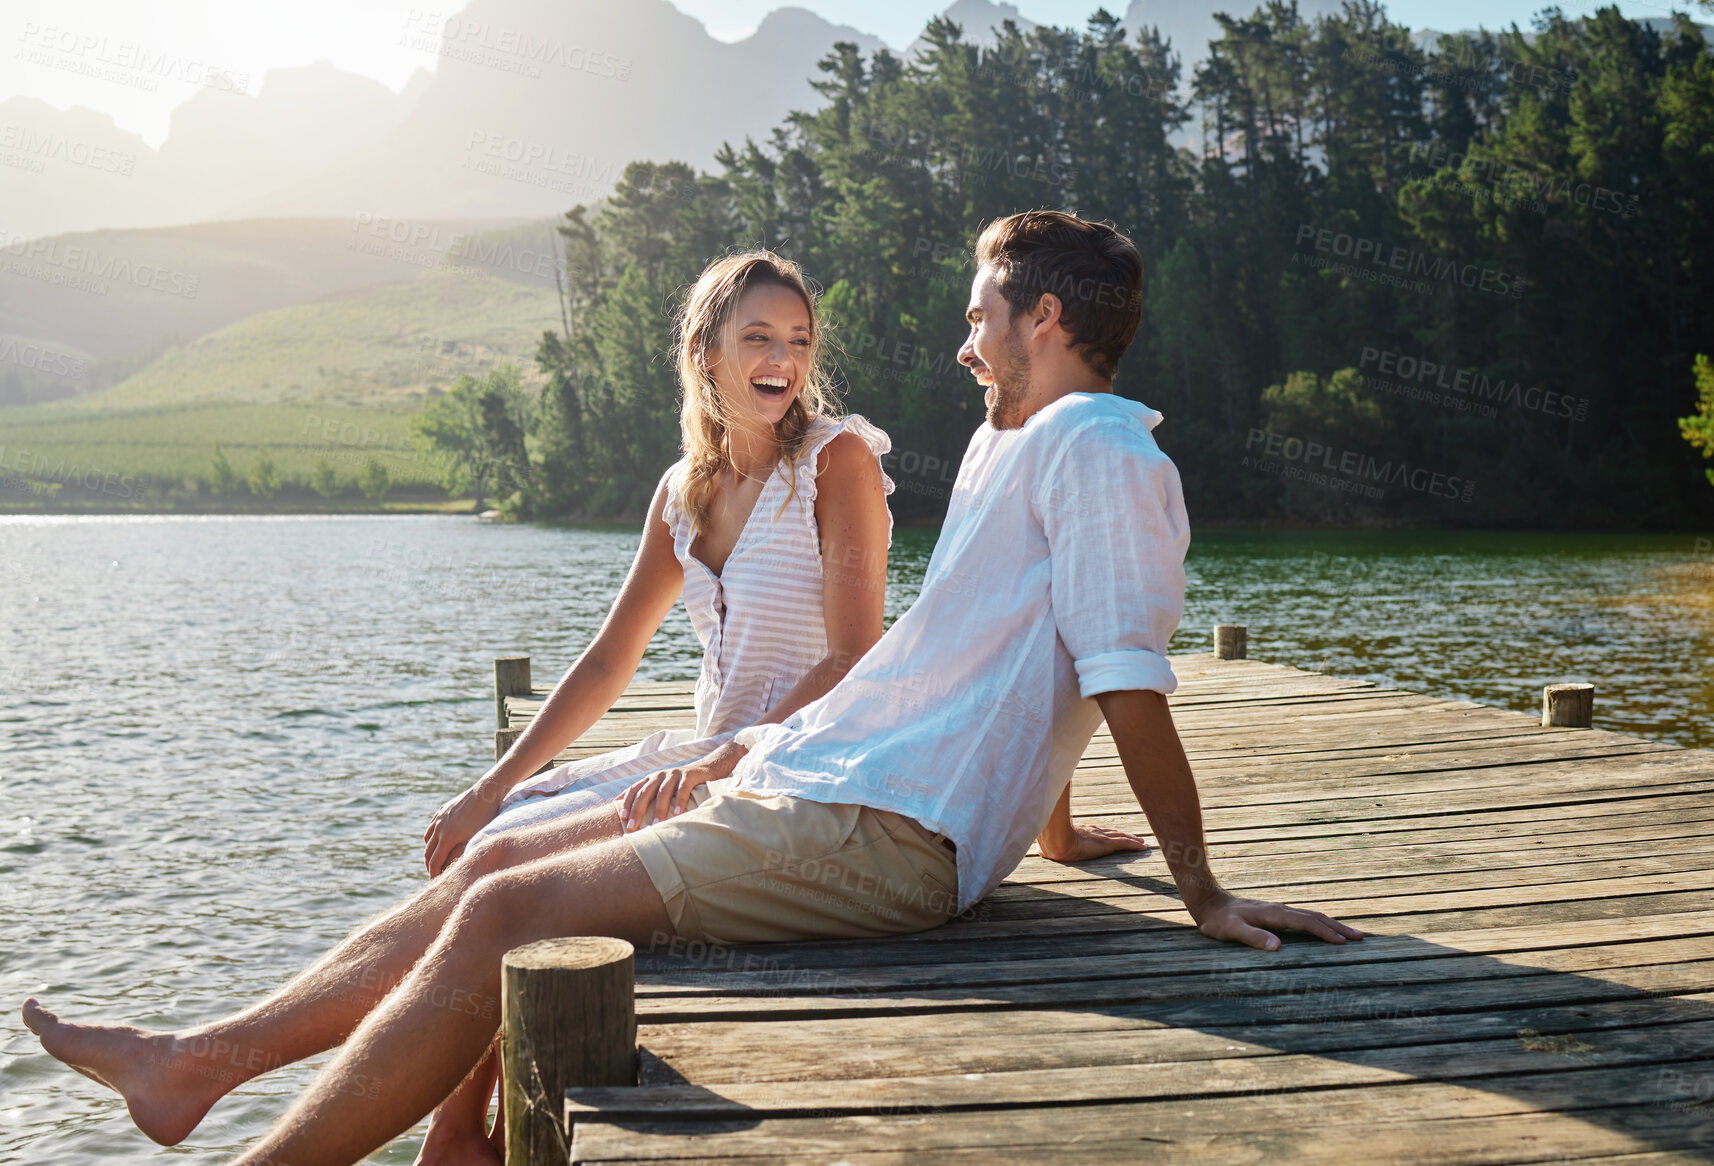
445	1145
166	1089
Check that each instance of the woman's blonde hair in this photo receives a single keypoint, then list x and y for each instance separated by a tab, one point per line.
708	324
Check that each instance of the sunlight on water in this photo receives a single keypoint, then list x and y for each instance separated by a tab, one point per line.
221	739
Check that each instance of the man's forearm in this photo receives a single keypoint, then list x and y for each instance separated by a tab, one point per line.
1160	776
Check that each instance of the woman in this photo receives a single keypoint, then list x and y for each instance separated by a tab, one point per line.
770	483
775	527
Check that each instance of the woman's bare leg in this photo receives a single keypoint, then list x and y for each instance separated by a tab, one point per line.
418	1045
458	1133
170	1080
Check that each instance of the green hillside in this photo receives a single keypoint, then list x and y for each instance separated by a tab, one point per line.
334	380
82	311
385	347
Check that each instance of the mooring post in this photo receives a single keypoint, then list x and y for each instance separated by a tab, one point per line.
1568	706
570	1018
504	739
511	678
1230	641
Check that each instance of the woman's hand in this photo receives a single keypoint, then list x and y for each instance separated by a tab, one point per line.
455	822
1087	842
663	795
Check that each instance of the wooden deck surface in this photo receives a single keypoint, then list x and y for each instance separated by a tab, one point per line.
1537	985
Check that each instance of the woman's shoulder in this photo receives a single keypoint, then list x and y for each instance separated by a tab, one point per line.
838	454
849	434
845	460
842	453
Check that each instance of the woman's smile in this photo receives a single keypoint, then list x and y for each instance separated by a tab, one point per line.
771	385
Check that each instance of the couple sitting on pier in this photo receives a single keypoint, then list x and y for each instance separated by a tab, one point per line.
918	766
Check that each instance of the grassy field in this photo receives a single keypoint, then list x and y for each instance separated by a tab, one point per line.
173	445
336	380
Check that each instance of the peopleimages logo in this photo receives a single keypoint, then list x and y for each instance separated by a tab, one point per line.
1418	371
58	147
1350	464
513	49
46	360
907	143
1410	261
1521	180
52	261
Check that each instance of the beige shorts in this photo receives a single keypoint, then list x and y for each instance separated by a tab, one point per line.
742	868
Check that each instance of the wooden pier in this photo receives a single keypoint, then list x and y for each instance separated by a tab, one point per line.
1537	985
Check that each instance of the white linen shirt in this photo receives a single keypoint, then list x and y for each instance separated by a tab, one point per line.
1059	574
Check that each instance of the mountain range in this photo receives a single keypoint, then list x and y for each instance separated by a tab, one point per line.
531	106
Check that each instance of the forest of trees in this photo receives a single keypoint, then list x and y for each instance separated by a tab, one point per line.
1466	288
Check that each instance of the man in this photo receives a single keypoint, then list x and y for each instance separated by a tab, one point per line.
902	796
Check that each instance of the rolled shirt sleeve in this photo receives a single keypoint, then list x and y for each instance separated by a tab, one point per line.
1113	511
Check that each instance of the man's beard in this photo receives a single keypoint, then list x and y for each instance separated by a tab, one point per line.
1005	397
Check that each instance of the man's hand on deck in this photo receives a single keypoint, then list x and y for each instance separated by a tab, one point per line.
1086	842
1063	840
1248	921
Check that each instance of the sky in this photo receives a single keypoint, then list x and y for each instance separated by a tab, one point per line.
246	38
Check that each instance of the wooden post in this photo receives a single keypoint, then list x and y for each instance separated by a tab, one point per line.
504	739
1229	641
570	1019
1570	706
511	678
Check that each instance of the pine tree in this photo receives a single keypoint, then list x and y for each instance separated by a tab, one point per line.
374	481
264	477
323	480
1698	428
222	478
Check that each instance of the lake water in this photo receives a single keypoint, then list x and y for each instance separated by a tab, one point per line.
221	738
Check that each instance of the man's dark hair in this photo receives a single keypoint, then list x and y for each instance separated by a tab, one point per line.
1094	271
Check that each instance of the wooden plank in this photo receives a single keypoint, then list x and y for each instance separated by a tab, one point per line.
1275	1072
830	1048
1641	1089
1474	822
1022	903
1589	787
1494	1141
1175	920
1424	879
1401	863
1676	833
1333	1004
1184	949
1405	962
1417	771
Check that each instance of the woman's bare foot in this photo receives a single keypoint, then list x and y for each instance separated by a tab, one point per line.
454	1143
166	1088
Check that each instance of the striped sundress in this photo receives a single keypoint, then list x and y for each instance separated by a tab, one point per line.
760	622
